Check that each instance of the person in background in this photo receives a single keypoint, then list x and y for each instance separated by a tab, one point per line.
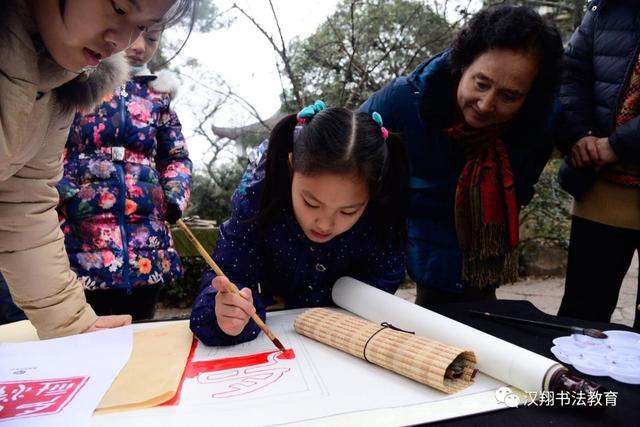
126	172
323	198
600	134
55	57
477	119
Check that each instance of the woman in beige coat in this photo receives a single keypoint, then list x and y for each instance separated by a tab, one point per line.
54	60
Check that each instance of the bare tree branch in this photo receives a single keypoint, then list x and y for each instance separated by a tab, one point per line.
441	36
281	51
231	94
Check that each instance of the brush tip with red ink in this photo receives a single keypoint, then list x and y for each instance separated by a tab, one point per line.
278	344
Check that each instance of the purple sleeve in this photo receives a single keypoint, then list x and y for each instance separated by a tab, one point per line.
238	254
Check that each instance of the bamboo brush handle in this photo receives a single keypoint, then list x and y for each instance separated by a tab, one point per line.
230	287
200	248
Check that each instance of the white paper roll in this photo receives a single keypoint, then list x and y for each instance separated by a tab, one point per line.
497	358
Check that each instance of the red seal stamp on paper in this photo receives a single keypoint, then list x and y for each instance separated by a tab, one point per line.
20	399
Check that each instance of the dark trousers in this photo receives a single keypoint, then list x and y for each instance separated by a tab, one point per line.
9	312
140	303
429	297
599	258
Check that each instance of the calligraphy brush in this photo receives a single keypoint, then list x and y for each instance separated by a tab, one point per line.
230	287
593	333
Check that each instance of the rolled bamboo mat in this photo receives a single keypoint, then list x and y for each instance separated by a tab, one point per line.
441	366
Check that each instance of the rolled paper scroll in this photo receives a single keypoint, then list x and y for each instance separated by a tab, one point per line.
441	366
497	358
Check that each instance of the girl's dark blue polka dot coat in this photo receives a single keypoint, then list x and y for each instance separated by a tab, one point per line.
279	260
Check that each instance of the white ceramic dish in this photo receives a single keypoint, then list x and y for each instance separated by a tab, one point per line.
618	356
623	339
560	355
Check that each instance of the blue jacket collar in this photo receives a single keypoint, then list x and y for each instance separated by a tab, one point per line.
432	80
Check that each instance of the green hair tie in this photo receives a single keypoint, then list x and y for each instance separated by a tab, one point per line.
309	111
377	118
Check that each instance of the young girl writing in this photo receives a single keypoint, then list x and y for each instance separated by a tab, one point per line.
126	172
323	199
54	60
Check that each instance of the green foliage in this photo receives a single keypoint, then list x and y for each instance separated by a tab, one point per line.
207	18
183	292
566	14
547	219
252	139
211	195
363	45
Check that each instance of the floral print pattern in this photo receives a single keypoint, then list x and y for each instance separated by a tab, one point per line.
112	212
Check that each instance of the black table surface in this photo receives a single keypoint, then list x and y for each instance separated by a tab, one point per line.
626	411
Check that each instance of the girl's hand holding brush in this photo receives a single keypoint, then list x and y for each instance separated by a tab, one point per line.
227	286
233	311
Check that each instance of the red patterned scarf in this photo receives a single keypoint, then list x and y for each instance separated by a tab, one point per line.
486	208
621	173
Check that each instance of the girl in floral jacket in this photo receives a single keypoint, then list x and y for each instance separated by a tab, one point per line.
126	171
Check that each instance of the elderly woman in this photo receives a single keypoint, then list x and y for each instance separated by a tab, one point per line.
477	120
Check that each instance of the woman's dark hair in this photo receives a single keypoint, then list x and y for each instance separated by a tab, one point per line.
180	10
517	28
340	141
177	13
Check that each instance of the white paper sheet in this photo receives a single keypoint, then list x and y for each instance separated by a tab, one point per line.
500	359
321	385
59	382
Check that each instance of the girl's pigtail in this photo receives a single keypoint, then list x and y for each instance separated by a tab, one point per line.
395	183
277	190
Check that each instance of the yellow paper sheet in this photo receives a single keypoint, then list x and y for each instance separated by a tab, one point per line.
153	373
18	332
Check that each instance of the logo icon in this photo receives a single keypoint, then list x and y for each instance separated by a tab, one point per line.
507	397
